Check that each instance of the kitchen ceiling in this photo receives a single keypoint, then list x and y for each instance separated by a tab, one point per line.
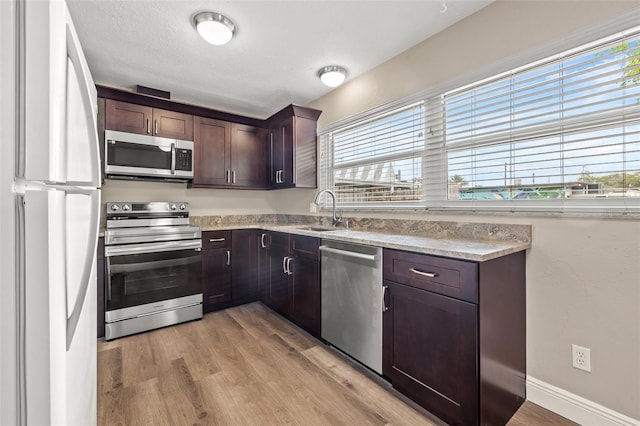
273	59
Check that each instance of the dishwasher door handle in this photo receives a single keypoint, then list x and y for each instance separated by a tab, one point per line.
357	255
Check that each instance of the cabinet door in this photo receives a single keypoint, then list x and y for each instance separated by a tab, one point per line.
282	154
211	143
264	242
171	124
244	265
287	130
277	285
276	154
248	156
429	351
305	293
305	150
126	117
216	272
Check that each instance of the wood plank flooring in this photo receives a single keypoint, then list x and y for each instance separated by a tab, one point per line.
248	366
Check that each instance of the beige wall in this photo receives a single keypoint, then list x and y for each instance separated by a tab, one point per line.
583	274
202	202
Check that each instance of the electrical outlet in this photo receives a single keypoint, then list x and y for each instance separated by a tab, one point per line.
581	358
313	208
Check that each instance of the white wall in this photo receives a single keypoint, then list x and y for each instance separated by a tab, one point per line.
583	274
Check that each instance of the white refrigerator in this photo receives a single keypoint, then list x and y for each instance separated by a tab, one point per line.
49	219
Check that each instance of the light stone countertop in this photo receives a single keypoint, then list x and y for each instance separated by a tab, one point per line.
474	250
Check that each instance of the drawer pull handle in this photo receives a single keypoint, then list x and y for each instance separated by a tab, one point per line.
216	240
425	274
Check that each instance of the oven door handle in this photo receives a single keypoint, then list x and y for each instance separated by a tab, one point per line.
152	247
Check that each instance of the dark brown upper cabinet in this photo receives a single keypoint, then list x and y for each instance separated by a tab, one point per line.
144	120
293	148
231	151
229	155
248	154
211	145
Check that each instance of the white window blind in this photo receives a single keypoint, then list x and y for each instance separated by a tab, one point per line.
377	161
559	134
567	127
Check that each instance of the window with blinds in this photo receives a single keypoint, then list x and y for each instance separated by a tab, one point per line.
562	133
567	127
377	161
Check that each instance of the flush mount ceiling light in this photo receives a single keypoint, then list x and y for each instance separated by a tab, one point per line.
214	28
332	75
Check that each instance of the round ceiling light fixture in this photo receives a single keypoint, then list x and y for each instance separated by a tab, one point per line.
214	27
332	75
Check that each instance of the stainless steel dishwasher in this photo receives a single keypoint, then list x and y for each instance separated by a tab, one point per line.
351	301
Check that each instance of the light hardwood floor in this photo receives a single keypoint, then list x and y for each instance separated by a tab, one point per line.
248	366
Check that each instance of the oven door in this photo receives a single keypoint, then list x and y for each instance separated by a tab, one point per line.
147	156
140	275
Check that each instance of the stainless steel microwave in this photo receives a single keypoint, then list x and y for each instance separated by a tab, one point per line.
143	156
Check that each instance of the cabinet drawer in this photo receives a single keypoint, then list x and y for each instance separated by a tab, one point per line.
216	239
450	277
305	246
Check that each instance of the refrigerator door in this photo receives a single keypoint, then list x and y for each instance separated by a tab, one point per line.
8	132
60	228
61	140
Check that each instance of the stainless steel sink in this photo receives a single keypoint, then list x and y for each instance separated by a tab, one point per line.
317	228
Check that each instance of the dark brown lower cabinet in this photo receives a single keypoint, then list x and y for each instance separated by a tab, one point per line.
454	334
244	265
290	277
304	283
100	286
431	351
276	291
216	270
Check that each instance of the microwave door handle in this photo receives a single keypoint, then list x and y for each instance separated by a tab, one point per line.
173	158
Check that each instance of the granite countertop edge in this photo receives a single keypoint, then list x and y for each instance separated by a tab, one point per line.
473	250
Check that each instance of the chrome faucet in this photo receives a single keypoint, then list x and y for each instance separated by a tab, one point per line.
336	219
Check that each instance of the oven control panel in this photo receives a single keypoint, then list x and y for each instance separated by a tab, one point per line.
155	209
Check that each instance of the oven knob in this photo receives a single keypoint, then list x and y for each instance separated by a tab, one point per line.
115	207
182	207
125	207
173	207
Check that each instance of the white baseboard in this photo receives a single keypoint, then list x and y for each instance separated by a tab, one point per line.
574	407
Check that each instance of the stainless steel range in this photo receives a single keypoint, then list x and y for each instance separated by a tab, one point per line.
154	268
